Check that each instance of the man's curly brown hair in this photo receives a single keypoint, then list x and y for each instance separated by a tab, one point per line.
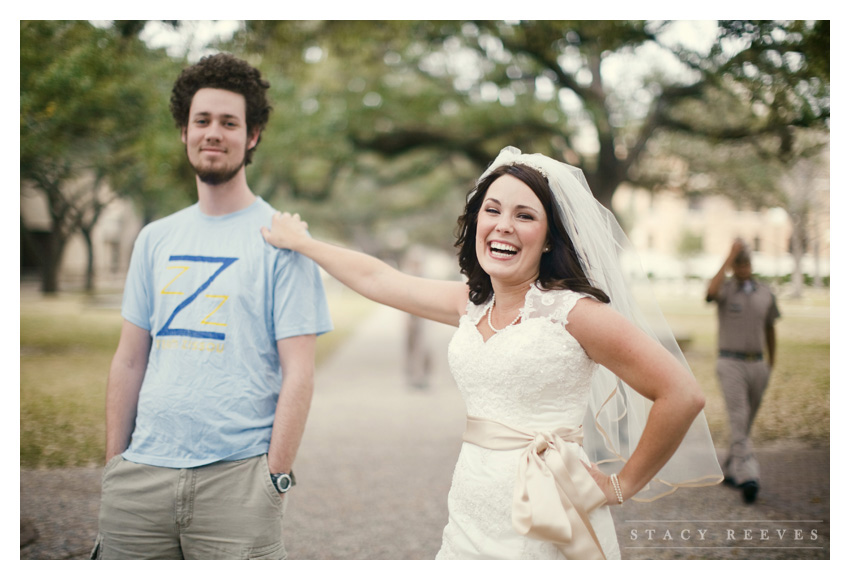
223	71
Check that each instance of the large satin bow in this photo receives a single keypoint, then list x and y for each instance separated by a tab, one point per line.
554	493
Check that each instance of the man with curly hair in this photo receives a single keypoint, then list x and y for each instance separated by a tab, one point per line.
210	385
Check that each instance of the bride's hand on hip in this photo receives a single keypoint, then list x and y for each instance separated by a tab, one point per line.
286	232
604	483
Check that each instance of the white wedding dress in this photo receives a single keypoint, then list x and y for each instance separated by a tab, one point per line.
532	376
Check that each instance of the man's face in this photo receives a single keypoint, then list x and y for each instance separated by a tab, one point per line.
742	270
216	136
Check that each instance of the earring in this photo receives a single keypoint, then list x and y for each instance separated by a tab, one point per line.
546	249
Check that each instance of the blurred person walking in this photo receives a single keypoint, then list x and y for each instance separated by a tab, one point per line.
746	316
417	363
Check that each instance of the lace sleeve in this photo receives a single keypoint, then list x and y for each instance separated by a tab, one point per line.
554	305
475	311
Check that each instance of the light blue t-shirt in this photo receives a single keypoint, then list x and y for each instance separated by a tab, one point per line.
216	298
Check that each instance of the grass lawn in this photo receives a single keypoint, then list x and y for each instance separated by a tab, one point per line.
67	344
796	404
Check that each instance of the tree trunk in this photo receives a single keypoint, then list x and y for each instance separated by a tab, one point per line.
815	246
90	259
604	194
604	182
51	261
797	236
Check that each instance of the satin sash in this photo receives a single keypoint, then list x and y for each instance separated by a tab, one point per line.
554	493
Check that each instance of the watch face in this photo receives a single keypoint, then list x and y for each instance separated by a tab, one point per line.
282	482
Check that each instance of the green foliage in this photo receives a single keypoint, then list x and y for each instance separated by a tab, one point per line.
157	178
465	89
784	67
77	106
768	93
766	107
411	111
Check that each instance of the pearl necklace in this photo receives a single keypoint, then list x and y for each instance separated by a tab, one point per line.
490	319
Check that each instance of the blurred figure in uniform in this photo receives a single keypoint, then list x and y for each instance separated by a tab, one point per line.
746	313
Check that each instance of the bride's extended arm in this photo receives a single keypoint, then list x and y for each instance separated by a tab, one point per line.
443	301
646	366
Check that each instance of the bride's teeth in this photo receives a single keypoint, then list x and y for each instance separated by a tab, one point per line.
502	247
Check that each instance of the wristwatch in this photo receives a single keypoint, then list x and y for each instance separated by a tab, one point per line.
282	482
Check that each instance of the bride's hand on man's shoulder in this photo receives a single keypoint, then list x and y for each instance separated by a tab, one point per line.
286	230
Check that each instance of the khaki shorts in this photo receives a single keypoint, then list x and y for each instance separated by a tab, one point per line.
224	511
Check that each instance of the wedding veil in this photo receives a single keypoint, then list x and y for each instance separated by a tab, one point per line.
611	264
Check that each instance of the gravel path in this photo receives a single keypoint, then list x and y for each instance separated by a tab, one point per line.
376	464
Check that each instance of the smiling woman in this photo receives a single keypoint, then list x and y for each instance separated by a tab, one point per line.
558	265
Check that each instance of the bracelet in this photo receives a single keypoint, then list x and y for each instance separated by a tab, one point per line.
616	482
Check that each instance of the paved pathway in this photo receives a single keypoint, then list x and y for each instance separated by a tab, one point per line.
376	463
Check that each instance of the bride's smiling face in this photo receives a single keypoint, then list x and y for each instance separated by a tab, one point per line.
512	232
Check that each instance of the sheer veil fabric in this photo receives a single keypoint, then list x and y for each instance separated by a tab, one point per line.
617	414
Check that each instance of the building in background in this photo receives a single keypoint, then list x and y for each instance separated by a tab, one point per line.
679	238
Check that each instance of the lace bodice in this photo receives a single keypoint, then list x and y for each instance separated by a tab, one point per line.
530	375
533	376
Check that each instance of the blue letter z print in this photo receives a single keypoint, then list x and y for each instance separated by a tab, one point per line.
166	329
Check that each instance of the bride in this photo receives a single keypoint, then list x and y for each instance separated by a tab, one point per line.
562	373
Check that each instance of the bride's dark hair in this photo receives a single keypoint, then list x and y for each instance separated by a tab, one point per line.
560	268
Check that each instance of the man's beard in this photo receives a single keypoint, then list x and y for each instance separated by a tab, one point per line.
216	176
